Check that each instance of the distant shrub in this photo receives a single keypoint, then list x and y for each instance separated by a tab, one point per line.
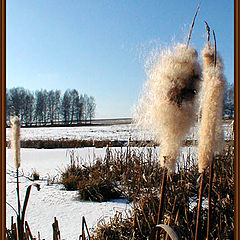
35	175
72	175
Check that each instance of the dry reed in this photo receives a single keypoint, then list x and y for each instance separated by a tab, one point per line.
180	203
15	140
168	103
210	130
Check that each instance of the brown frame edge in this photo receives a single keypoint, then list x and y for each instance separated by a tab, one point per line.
236	121
3	122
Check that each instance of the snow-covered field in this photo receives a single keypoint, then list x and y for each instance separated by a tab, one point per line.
114	132
52	200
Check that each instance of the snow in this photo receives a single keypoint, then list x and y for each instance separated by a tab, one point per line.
52	200
115	132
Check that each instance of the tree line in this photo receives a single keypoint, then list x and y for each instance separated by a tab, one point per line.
44	107
228	107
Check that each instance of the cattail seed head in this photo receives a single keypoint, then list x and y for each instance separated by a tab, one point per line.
210	130
15	140
167	106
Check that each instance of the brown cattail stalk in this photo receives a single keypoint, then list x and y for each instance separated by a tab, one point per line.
161	201
15	145
210	130
198	220
209	201
193	22
168	105
15	141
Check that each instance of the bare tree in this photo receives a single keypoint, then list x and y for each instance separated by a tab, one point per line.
65	106
57	112
51	102
229	101
28	107
15	101
80	109
41	106
85	107
74	104
91	107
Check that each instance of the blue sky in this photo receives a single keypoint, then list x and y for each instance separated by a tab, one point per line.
99	46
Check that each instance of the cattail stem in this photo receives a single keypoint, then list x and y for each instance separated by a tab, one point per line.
209	200
198	221
194	18
208	31
18	195
161	200
15	145
19	208
215	48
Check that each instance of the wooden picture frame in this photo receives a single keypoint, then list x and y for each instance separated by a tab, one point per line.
3	122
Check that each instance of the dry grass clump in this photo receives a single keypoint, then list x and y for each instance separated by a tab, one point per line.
210	130
73	174
99	190
168	103
180	206
119	227
125	173
93	182
35	175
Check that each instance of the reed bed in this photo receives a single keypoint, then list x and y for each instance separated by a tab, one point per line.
180	205
124	173
135	174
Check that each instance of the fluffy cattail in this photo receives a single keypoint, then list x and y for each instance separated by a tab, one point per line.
210	130
167	106
15	141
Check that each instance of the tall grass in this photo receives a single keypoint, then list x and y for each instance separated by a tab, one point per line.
180	204
124	173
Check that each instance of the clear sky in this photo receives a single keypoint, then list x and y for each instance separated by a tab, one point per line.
99	46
